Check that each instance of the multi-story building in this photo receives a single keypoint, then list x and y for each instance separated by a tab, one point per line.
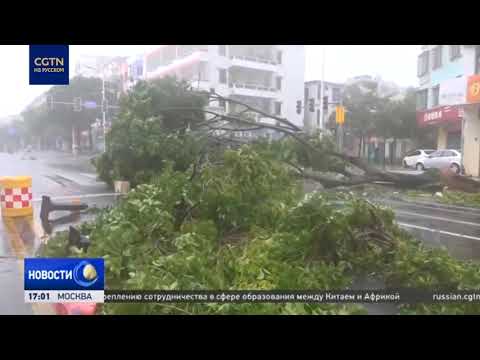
332	93
448	101
267	77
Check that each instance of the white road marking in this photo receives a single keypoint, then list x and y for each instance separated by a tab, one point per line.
438	231
436	218
461	209
85	196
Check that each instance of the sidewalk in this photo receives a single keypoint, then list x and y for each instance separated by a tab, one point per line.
66	161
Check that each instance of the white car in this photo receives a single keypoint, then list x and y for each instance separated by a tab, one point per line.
442	159
412	158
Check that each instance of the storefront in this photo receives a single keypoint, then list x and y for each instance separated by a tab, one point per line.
447	122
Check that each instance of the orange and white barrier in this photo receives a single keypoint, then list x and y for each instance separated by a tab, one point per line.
16	196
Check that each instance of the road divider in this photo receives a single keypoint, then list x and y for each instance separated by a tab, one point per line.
16	196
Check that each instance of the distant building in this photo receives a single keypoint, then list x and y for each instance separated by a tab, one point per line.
267	77
382	87
332	93
114	68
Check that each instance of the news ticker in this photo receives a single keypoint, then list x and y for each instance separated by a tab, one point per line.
399	296
63	280
254	296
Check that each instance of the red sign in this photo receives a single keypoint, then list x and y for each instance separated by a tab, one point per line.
473	89
440	115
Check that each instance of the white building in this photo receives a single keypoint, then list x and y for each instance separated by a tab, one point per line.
447	100
332	93
267	77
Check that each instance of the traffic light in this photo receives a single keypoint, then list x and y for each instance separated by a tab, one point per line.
50	102
325	103
77	104
311	105
299	107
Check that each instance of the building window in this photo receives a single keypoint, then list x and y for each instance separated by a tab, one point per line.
423	63
318	118
422	99
222	50
455	51
222	76
319	90
279	57
279	83
437	57
278	108
435	95
306	94
336	94
221	103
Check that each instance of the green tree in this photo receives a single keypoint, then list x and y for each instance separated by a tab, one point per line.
48	124
151	129
362	104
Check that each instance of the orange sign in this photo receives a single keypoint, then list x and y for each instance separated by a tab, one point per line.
473	89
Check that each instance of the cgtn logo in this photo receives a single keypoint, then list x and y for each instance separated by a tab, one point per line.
49	65
64	280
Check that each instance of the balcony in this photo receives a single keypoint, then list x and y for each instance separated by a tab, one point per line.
249	89
254	63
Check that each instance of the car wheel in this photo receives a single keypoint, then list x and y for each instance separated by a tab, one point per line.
455	168
420	167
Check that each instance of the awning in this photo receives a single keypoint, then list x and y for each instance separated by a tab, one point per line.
443	115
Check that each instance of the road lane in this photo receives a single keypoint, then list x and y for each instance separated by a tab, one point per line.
455	228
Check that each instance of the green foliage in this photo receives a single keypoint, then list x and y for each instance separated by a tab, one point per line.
145	135
40	122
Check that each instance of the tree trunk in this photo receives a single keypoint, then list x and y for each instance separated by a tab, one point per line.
360	146
90	137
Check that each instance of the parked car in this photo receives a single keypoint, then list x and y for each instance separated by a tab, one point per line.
441	159
412	158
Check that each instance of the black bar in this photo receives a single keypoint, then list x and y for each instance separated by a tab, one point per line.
395	296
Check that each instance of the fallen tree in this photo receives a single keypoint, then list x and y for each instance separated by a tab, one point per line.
183	121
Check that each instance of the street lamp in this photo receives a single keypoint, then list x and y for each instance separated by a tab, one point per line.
104	107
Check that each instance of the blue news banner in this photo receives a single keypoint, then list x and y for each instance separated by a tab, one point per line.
58	280
55	280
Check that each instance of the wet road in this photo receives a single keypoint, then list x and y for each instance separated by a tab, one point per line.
61	177
455	227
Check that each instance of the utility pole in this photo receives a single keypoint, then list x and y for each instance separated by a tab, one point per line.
322	88
104	115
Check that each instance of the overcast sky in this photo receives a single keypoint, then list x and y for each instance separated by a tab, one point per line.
395	63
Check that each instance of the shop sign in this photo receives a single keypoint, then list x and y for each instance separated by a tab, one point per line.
440	115
473	89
